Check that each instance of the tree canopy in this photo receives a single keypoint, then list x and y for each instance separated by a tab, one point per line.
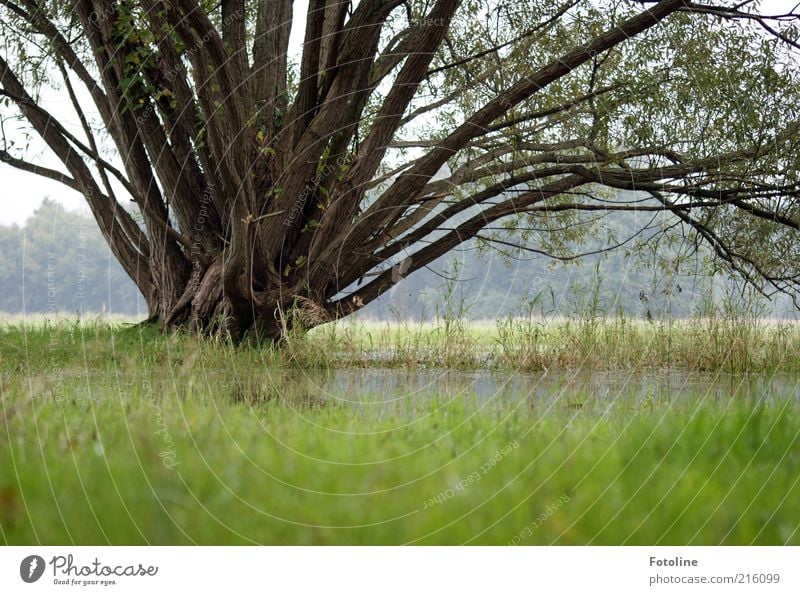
405	128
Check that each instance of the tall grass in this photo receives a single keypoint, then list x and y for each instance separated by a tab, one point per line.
727	333
708	343
714	340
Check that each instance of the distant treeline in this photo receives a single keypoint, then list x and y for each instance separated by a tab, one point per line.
59	262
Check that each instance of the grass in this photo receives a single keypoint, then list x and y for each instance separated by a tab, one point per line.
731	344
128	436
735	342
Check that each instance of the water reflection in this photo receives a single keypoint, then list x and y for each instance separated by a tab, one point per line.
384	391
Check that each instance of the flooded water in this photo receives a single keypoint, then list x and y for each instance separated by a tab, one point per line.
385	390
391	391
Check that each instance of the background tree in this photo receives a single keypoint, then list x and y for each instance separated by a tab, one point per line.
407	128
58	263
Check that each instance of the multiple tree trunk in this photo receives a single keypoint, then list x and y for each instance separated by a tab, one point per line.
266	204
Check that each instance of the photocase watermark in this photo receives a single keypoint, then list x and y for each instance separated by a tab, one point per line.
80	285
429	22
101	16
197	234
473	477
67	572
169	457
297	208
148	111
31	568
53	372
52	309
539	520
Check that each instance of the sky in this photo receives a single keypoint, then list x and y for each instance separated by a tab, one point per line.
22	193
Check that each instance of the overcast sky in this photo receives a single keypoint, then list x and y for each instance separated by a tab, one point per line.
21	193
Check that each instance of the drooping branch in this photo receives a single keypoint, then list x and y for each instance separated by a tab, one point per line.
45	172
766	21
748	197
131	260
412	181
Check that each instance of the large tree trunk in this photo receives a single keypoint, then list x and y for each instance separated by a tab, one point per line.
204	308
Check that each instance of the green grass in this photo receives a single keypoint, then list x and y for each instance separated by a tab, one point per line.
734	344
128	437
731	342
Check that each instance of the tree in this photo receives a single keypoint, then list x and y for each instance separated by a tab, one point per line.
59	263
267	191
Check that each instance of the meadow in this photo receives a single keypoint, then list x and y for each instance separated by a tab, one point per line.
525	431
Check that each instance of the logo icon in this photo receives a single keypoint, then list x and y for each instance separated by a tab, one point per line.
31	569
